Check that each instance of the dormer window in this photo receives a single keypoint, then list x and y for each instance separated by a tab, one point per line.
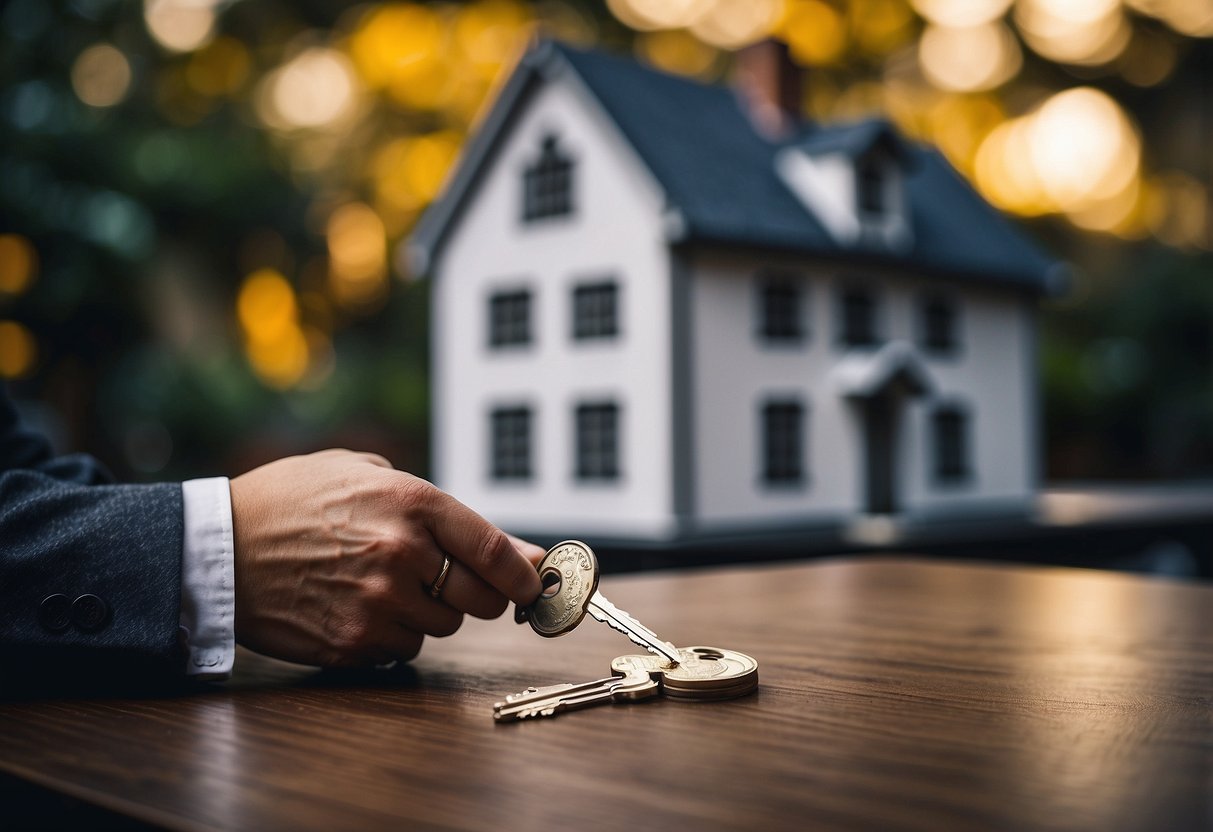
869	187
548	183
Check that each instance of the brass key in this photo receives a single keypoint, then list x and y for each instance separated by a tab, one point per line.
569	572
555	699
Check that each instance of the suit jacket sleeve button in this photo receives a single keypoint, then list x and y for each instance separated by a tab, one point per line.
55	613
90	613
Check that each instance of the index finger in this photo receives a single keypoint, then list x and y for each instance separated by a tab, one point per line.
482	547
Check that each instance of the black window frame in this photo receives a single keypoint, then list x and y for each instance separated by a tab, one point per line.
597	441
547	183
783	426
507	326
870	179
781	301
596	310
951	444
939	324
511	443
848	334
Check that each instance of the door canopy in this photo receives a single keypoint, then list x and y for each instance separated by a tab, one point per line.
895	367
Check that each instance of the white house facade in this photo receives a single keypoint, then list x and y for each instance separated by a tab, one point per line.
651	323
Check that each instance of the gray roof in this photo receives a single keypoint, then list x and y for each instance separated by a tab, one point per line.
720	175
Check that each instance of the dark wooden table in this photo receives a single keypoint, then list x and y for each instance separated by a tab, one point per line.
895	694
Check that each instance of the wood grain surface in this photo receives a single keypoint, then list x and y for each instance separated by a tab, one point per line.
895	694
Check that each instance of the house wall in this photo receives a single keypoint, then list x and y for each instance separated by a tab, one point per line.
735	370
615	230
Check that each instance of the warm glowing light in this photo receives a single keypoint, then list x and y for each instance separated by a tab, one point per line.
677	51
490	33
18	264
658	14
401	48
732	24
428	160
961	13
357	243
969	59
1177	211
220	68
1149	59
101	75
880	26
314	89
269	316
180	25
814	31
958	124
18	350
1120	214
1005	173
1083	147
1083	32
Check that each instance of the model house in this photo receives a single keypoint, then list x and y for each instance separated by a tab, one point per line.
664	310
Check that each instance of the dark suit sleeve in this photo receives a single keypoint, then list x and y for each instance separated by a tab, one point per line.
90	572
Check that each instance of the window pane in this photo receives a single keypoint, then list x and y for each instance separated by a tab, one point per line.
510	318
511	443
595	311
547	184
780	312
598	441
951	444
858	318
938	325
782	442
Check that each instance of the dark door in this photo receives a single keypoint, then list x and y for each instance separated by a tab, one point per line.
880	426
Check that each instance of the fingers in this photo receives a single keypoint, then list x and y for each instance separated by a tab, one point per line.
467	592
478	544
529	550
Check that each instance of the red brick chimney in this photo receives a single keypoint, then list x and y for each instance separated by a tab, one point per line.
769	84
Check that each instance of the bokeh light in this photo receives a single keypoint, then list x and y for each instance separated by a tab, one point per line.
678	51
180	25
815	32
961	13
969	59
101	75
18	264
357	244
18	350
1082	32
315	89
269	317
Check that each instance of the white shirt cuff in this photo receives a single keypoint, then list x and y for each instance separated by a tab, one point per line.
208	586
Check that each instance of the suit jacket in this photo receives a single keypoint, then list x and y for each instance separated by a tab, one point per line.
90	572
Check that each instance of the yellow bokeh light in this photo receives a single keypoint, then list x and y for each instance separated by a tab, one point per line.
401	48
266	305
1177	211
18	264
815	32
220	68
101	75
958	124
180	25
732	24
970	59
1149	59
315	89
390	177
961	13
677	51
18	350
880	26
1005	173
357	244
428	160
282	361
1082	32
647	15
490	33
1083	147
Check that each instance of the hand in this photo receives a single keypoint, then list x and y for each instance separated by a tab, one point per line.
336	553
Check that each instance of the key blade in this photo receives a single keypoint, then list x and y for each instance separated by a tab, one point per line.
615	689
542	694
603	610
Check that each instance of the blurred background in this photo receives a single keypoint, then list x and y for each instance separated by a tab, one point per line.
202	201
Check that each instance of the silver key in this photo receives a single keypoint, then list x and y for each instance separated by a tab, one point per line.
569	572
556	699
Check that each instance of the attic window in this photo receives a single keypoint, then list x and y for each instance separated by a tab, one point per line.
779	309
869	185
548	184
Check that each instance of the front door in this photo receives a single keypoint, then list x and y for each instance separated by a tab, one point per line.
880	452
